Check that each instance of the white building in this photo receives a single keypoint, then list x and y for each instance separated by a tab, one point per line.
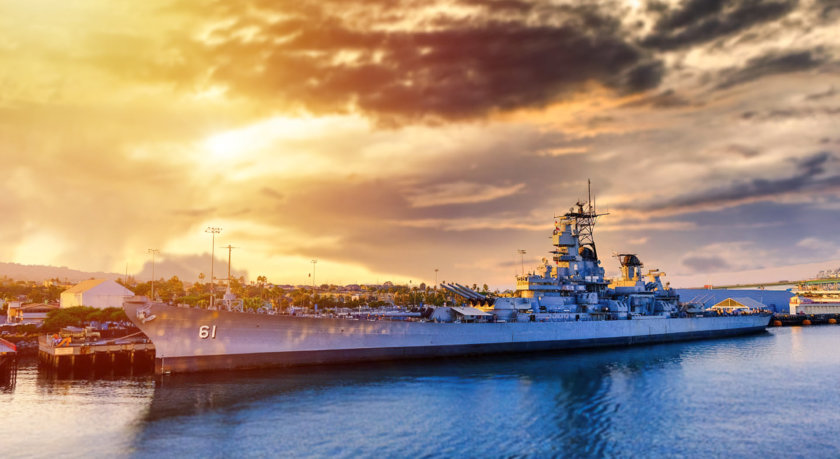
97	293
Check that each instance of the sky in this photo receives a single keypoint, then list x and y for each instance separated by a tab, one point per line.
389	139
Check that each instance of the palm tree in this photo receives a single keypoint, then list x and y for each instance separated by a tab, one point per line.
261	280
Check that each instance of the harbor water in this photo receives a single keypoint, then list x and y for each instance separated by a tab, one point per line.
773	395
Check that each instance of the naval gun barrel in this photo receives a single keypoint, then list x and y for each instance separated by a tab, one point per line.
465	292
460	291
475	295
451	289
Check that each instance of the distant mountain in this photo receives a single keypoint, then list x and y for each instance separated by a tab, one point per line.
41	272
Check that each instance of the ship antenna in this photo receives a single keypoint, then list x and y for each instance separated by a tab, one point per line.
585	220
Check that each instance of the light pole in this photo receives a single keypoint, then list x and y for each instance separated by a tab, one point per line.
522	259
436	271
213	231
153	252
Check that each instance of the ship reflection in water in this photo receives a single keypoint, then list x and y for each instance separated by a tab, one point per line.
763	395
662	399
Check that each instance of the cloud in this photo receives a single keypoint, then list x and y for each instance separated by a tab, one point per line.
187	268
822	247
808	171
700	263
724	256
500	111
665	99
339	56
773	63
827	94
701	21
827	8
789	113
462	193
740	150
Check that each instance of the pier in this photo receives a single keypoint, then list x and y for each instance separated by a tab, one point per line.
8	365
8	353
792	320
62	353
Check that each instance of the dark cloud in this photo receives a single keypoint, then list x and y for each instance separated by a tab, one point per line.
814	164
705	263
665	99
789	113
773	63
828	8
701	21
808	174
516	6
335	56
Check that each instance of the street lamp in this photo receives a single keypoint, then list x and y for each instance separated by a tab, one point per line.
153	252
522	259
213	231
436	271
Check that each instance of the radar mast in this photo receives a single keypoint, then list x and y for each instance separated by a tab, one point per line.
584	217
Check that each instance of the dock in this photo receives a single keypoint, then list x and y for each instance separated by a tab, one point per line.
793	320
8	365
135	353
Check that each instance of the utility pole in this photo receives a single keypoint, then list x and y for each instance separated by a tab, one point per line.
522	259
314	262
153	252
213	231
230	248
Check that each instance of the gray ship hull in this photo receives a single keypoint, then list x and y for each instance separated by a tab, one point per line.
189	340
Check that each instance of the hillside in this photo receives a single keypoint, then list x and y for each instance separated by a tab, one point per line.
42	272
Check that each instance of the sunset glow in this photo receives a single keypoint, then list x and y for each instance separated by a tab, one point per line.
388	141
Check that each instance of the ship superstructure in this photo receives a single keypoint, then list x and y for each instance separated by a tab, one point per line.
565	303
571	285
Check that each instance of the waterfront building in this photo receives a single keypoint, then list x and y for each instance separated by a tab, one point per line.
97	293
817	296
30	313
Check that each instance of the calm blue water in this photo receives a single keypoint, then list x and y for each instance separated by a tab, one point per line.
775	394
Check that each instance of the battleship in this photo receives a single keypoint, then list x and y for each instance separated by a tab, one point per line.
566	303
